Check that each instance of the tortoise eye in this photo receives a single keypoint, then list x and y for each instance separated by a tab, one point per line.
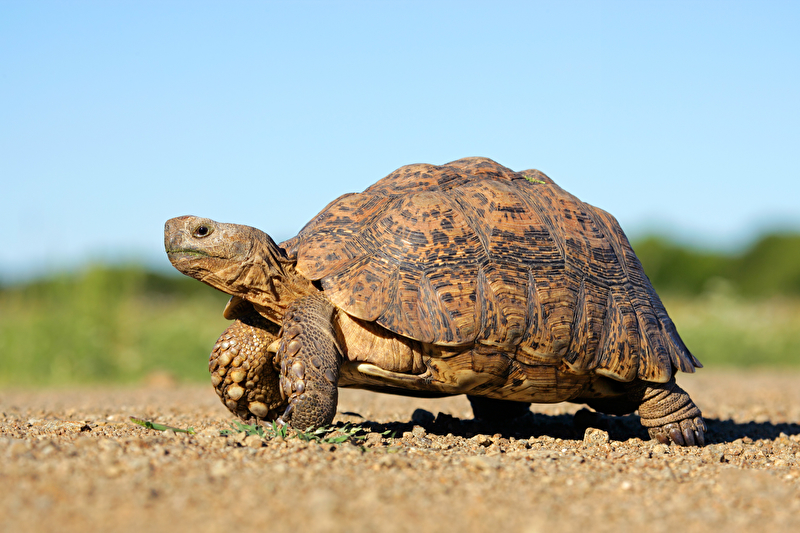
201	231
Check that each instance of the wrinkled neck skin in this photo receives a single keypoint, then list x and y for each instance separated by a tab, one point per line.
265	278
237	260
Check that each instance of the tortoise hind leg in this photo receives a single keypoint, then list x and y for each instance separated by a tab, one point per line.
494	410
310	360
668	413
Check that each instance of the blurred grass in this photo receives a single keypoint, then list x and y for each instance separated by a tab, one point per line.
104	325
723	330
124	324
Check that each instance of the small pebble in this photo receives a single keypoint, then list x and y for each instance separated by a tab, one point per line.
253	441
482	440
659	450
594	437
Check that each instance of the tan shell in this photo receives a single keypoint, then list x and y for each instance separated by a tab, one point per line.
472	252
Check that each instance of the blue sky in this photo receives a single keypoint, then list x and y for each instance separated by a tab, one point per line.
681	118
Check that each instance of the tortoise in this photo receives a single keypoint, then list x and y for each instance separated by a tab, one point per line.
466	278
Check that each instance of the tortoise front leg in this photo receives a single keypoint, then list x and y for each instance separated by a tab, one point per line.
242	369
310	359
668	413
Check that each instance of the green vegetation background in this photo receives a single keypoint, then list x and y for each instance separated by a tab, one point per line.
125	324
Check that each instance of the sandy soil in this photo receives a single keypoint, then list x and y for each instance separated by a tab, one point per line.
72	461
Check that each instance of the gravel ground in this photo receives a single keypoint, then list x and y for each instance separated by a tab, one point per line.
72	461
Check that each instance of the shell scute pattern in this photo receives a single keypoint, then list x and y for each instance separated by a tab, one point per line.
341	242
474	253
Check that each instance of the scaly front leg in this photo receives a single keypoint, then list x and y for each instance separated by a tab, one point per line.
242	370
310	359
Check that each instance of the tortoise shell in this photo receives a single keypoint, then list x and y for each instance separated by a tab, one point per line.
472	252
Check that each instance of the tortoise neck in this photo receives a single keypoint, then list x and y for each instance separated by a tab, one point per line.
268	279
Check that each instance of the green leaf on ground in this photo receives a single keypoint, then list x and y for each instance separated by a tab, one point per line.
324	435
160	427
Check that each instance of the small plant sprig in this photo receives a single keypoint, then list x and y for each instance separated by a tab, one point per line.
532	179
322	435
254	429
160	427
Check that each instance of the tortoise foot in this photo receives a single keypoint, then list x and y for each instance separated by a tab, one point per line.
688	432
242	370
310	362
668	413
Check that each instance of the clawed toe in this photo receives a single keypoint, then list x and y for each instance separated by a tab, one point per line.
699	431
675	435
284	418
688	432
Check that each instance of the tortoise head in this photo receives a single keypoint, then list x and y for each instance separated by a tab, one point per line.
189	238
215	253
238	260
